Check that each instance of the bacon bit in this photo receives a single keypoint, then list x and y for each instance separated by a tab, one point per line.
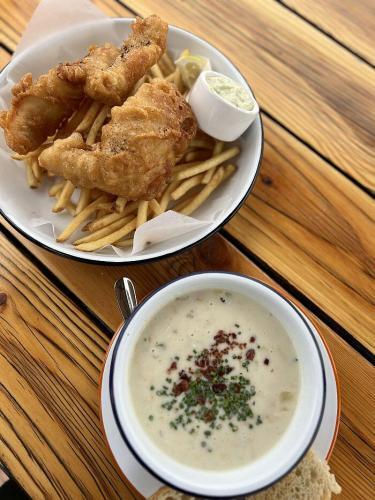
266	361
250	354
252	339
184	376
181	387
202	362
219	387
220	337
237	388
209	416
172	367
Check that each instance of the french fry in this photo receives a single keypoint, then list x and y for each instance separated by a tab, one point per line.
228	171
183	203
56	188
218	148
156	71
31	179
110	239
199	154
184	166
208	175
105	231
71	208
120	204
82	217
36	168
142	212
155	207
125	243
84	199
167	64
70	126
97	125
171	77
206	165
185	186
18	157
140	82
166	196
201	143
89	117
205	193
178	80
112	217
64	196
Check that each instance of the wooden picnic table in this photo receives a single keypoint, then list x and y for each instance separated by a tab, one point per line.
307	228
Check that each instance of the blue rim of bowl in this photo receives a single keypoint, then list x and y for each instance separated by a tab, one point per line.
168	254
113	401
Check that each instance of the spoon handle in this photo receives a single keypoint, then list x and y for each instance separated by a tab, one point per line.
126	296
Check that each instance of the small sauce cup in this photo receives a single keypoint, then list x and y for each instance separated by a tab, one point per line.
287	451
216	116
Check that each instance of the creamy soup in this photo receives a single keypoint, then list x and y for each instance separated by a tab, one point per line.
214	379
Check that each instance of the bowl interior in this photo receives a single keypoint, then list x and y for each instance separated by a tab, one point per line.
287	451
30	210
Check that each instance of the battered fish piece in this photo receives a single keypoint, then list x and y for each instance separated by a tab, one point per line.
37	110
138	148
111	83
107	74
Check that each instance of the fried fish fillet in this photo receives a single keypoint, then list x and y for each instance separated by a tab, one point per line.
37	110
111	83
107	74
138	147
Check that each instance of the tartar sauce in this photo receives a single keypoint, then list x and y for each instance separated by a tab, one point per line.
230	91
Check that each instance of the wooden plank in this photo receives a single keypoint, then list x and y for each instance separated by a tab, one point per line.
94	285
352	22
315	228
51	354
313	86
4	57
15	14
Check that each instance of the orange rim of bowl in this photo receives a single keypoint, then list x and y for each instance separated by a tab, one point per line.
128	483
338	394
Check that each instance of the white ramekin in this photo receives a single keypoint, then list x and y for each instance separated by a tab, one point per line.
291	447
216	116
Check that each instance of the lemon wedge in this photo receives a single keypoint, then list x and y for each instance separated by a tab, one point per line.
191	66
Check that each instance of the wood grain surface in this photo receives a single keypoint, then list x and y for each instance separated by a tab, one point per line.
351	22
317	229
4	57
94	284
314	87
15	15
51	354
309	222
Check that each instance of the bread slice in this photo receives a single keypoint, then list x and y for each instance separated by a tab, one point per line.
310	480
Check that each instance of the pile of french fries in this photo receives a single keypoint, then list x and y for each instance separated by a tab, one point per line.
112	220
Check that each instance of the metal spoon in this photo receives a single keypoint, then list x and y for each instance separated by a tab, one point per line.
126	296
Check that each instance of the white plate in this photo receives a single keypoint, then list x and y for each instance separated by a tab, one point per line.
147	484
19	204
